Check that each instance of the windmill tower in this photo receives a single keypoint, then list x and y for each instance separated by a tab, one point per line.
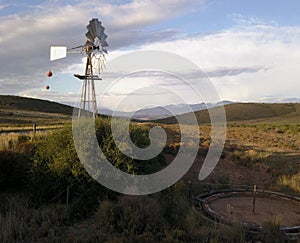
94	49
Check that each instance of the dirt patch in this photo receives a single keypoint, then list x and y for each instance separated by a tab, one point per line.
239	209
234	174
242	175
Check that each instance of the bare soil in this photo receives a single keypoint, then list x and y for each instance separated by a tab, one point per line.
239	209
237	175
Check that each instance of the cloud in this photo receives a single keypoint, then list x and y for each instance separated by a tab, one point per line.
245	62
3	4
42	93
133	38
246	20
146	12
25	38
135	93
233	71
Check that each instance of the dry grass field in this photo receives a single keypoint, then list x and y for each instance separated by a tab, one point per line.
262	146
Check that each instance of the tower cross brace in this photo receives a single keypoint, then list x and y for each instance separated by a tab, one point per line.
88	95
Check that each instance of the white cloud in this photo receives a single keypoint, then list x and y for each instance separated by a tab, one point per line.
25	37
275	50
145	12
244	64
2	4
42	93
244	20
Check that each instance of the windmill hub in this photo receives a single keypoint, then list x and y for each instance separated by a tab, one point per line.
89	49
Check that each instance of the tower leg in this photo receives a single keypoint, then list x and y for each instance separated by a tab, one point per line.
88	95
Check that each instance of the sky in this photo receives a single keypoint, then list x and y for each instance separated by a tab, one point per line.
249	50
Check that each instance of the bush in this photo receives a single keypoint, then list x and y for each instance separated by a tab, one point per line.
178	207
20	223
272	231
15	162
55	168
135	217
13	171
139	136
292	182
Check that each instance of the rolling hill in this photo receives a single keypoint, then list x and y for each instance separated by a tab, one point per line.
9	102
15	111
250	112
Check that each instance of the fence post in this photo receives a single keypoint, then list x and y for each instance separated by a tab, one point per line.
67	198
34	129
254	198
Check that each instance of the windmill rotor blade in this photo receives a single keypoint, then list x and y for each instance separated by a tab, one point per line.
104	44
58	52
92	27
96	31
103	37
89	43
100	31
96	25
89	36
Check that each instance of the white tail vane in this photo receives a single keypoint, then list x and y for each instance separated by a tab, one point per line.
58	52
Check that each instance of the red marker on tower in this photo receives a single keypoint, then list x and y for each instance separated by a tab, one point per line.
49	74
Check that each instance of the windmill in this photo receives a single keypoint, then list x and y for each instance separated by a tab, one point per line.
94	49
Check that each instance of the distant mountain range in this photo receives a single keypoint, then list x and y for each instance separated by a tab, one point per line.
160	112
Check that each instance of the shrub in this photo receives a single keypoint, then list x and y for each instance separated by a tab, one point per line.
55	168
132	216
14	168
272	231
292	182
179	212
20	223
139	136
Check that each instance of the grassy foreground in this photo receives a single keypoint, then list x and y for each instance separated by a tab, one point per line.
47	196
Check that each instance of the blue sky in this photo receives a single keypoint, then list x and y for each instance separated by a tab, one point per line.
249	49
218	14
